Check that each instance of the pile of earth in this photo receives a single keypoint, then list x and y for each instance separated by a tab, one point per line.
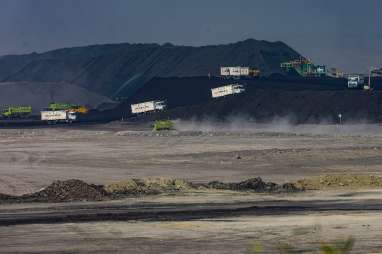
340	182
160	185
77	190
255	185
147	186
70	190
66	191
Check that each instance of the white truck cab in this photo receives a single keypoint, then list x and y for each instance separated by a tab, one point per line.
355	81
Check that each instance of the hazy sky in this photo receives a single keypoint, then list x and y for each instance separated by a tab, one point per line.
342	33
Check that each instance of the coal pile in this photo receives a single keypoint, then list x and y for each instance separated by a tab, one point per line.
120	69
301	100
66	191
255	185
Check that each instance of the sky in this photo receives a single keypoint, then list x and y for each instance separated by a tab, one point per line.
339	33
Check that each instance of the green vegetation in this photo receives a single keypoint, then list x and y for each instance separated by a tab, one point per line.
161	125
337	247
17	111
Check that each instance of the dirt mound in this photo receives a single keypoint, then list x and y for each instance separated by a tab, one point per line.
255	184
147	186
340	181
77	190
65	191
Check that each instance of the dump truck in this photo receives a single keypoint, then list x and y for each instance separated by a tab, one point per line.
58	116
161	125
16	111
149	106
55	106
227	90
239	71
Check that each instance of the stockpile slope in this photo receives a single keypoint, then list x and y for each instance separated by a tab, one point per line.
40	94
301	100
120	69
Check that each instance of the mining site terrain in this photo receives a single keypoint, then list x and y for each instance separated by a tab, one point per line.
336	165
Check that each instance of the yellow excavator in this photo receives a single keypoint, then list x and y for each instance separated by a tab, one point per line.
68	107
80	109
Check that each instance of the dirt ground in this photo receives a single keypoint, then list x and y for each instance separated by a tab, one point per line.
32	158
228	235
303	231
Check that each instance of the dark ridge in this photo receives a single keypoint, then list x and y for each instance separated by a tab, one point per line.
304	100
106	69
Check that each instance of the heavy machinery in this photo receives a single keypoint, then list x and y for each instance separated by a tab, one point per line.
304	67
80	110
54	106
149	106
238	72
58	116
335	73
161	125
372	71
355	81
16	111
227	90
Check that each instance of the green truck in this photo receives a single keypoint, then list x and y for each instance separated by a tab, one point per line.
54	106
161	125
16	111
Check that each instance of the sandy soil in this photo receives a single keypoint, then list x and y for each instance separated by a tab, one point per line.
228	235
32	158
305	231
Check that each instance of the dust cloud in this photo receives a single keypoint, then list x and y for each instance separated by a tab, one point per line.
280	125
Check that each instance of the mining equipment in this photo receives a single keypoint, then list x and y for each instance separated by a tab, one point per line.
372	71
58	116
355	81
227	90
54	106
304	67
16	112
149	106
161	125
335	73
239	72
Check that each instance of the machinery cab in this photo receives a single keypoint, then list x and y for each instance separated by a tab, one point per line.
237	88
355	81
71	116
160	105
